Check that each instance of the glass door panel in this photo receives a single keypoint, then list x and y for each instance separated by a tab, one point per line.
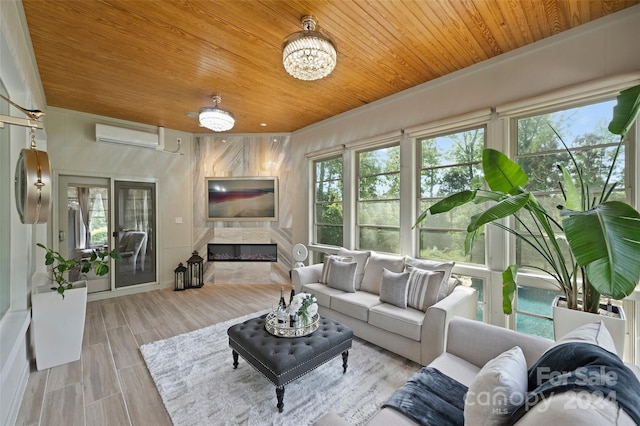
134	235
83	224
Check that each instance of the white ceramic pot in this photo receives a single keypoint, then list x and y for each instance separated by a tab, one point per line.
58	324
566	320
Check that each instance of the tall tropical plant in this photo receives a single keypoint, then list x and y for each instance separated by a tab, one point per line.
603	237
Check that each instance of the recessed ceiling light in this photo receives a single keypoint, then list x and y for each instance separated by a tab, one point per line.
263	124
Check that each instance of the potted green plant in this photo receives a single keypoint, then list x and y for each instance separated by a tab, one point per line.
98	261
593	251
58	310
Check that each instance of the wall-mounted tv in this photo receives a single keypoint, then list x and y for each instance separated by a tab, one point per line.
245	198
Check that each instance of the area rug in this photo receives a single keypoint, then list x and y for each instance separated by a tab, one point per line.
198	385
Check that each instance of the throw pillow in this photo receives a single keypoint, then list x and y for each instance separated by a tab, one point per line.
431	265
360	257
498	389
372	278
423	287
393	288
342	275
448	289
326	266
595	333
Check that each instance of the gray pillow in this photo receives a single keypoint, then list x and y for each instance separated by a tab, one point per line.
342	275
372	279
393	288
326	266
360	257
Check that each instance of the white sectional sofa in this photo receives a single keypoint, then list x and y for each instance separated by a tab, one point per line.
475	357
365	291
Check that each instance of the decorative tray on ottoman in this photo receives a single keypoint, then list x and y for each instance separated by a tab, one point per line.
285	330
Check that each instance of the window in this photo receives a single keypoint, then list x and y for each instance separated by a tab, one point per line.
328	205
584	130
479	284
534	311
449	164
88	209
379	199
98	222
5	212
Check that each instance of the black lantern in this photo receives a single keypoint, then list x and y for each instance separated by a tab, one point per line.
195	270
181	277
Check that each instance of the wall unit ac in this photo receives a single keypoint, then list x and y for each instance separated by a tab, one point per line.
112	134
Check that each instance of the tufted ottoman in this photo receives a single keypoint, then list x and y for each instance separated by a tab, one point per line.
282	359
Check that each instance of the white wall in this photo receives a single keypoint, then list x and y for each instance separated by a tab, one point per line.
73	150
20	77
604	48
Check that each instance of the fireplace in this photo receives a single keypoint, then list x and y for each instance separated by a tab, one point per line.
242	252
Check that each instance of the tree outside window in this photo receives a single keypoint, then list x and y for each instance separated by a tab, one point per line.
450	163
538	151
328	205
379	199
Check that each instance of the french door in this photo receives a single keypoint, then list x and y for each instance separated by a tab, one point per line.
96	213
134	232
83	223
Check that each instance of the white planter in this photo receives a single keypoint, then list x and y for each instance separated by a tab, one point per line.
566	320
58	324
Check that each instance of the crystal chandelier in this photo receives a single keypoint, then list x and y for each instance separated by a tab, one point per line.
215	118
308	55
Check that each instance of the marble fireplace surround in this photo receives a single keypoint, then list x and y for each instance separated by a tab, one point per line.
244	156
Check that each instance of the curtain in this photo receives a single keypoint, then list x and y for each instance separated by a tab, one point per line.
105	204
84	200
139	207
145	211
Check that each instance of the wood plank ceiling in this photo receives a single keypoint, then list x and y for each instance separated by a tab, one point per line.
152	61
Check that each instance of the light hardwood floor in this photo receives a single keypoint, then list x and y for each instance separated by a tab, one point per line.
110	384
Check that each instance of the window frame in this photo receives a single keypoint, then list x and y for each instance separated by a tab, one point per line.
532	278
395	143
480	124
314	200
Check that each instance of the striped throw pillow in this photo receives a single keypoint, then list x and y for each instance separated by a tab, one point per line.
423	288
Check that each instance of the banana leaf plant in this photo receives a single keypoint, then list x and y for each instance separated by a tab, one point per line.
594	246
